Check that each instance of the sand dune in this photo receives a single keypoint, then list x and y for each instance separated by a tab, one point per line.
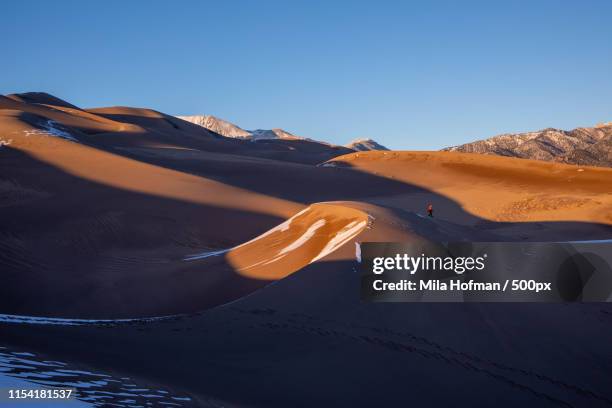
103	210
117	213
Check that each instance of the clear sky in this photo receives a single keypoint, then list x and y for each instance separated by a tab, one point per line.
412	75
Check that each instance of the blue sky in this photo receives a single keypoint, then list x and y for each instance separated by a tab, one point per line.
412	75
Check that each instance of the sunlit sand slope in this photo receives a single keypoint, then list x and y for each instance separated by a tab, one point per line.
493	188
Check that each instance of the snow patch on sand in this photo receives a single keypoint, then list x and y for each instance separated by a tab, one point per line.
51	128
344	235
279	228
592	241
7	318
90	389
207	254
304	238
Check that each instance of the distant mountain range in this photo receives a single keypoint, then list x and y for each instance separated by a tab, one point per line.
582	146
229	129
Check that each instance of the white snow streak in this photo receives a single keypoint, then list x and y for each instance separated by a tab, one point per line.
345	234
304	238
50	128
205	255
7	318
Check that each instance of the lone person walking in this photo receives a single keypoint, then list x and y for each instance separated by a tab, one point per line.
430	210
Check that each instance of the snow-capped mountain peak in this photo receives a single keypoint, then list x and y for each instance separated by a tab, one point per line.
365	144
